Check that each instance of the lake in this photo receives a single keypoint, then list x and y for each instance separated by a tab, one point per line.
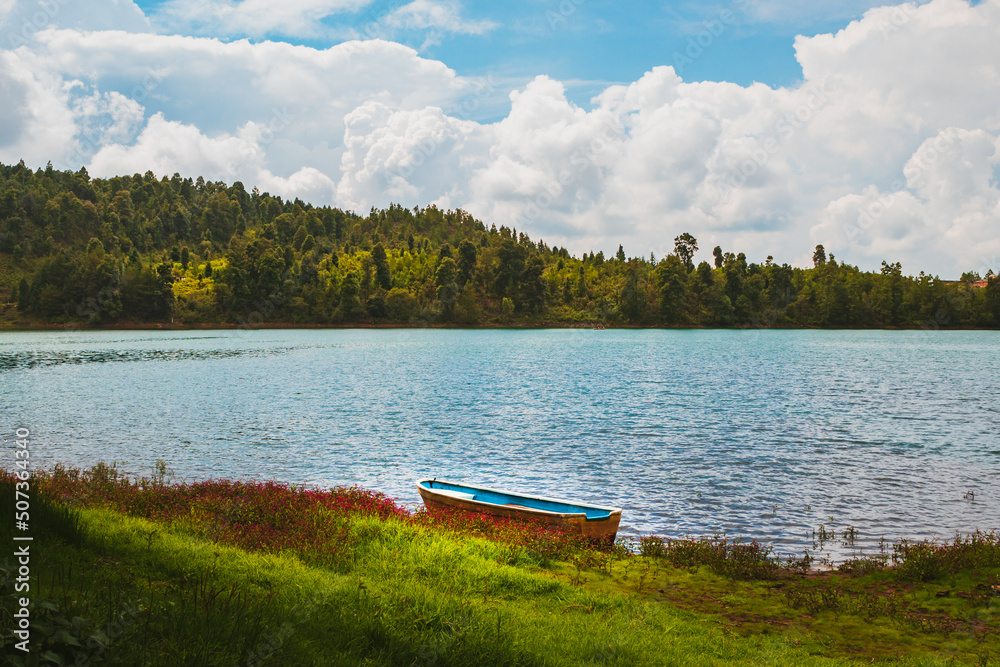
754	433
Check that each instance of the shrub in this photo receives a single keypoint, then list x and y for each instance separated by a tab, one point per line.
925	561
731	558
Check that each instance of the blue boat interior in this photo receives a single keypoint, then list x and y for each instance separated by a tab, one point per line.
498	498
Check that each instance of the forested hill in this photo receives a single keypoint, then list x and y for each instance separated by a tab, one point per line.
138	249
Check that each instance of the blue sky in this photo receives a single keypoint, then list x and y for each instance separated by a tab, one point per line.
589	44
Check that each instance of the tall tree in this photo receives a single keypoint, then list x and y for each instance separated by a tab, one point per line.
382	277
350	303
532	286
819	256
467	257
445	278
671	282
632	303
685	246
888	294
510	257
735	270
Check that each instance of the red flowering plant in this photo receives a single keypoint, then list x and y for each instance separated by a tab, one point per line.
259	516
273	517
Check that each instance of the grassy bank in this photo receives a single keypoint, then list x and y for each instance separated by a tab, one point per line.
223	573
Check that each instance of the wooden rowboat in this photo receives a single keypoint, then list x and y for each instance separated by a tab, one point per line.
592	521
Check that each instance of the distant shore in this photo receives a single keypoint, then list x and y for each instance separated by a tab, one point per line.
226	326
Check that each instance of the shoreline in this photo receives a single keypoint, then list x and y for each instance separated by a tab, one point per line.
810	565
596	325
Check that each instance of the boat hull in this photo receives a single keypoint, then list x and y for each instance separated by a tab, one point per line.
603	528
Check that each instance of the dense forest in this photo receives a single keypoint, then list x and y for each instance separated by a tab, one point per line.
137	249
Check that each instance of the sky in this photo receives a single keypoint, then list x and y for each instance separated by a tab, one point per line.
763	126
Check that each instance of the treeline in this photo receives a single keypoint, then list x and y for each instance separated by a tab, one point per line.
142	249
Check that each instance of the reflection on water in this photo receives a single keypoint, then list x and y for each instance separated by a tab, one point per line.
765	434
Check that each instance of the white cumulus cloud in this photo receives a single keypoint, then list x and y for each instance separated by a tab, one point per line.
407	156
299	95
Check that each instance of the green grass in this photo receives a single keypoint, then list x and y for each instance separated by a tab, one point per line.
109	588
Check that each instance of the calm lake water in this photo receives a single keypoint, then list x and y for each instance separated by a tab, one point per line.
764	434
